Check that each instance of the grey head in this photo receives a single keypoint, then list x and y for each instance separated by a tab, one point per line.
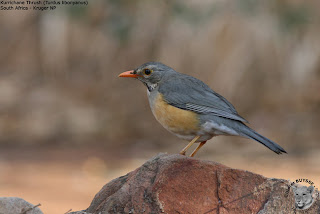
152	73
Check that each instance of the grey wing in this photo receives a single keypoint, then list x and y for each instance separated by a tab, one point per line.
191	94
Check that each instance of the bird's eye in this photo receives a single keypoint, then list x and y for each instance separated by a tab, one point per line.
147	71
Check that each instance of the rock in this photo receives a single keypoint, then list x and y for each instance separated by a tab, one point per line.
179	184
14	205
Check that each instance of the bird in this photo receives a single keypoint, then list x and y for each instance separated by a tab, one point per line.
190	109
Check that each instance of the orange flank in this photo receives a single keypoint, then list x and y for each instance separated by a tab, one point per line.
174	119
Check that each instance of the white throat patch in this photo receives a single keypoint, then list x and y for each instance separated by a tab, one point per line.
151	86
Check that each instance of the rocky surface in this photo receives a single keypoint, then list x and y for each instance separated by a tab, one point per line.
179	184
14	205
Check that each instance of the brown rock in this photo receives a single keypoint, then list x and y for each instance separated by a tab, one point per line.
179	184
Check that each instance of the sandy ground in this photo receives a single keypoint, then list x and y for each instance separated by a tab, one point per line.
61	180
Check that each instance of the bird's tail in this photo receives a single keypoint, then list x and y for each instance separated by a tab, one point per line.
250	133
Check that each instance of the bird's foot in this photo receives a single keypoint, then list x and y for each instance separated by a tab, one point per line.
182	153
197	149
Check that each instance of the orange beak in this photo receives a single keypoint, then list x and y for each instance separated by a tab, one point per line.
129	74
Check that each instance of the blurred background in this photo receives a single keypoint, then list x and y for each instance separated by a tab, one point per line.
68	124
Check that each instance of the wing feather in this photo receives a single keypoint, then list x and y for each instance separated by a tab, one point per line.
189	93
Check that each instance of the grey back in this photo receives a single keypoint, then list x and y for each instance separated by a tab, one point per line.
186	92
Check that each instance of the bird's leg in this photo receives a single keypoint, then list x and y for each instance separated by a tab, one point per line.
183	151
197	149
